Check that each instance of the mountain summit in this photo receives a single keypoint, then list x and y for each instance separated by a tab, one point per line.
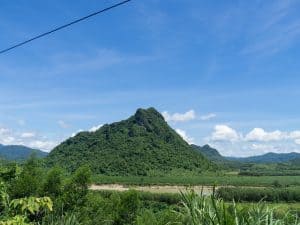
141	145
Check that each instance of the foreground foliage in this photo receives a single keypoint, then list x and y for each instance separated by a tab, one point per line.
275	194
32	195
201	210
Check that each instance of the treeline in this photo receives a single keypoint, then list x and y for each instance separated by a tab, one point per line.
269	169
269	173
243	194
30	194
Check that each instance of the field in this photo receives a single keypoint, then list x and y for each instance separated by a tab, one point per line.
205	179
206	190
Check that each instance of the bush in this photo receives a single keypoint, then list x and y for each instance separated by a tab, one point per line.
257	194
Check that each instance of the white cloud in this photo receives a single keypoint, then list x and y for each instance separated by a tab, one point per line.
208	116
184	135
27	135
6	136
92	129
3	131
43	145
297	141
30	139
179	117
259	134
95	128
8	140
262	148
75	133
257	141
295	134
63	124
224	133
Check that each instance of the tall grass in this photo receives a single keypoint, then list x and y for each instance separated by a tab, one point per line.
209	210
67	219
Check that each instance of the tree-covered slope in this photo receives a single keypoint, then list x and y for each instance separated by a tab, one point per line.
209	152
213	155
18	152
142	144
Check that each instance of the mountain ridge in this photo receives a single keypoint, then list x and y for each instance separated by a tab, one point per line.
140	145
19	152
270	157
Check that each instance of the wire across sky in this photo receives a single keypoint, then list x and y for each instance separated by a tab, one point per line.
64	26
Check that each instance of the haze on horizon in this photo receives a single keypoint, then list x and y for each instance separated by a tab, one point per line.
224	74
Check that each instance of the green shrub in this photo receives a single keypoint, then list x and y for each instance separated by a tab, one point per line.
257	194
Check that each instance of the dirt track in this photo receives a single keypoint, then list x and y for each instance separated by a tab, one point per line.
153	188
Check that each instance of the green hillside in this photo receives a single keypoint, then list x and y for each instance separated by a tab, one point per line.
213	155
19	152
209	153
141	145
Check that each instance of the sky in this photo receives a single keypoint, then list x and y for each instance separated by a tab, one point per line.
224	73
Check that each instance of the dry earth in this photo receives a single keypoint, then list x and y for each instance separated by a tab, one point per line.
152	188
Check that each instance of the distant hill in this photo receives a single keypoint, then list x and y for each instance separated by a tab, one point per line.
290	159
295	162
213	155
268	158
141	145
209	152
19	152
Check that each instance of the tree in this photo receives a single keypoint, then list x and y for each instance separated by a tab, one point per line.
76	189
52	186
128	208
29	180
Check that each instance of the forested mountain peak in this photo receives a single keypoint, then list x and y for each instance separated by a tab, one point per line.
140	145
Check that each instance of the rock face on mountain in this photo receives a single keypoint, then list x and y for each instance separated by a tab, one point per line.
19	152
141	145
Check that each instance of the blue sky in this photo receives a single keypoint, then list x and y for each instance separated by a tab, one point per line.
228	70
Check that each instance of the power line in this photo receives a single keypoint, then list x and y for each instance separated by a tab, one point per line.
64	26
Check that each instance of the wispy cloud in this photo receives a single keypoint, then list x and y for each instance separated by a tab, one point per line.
185	136
275	29
95	128
31	139
63	124
179	117
70	63
208	116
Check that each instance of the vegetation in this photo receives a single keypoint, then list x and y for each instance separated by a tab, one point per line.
142	145
144	150
211	210
219	179
32	194
209	153
275	194
291	168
